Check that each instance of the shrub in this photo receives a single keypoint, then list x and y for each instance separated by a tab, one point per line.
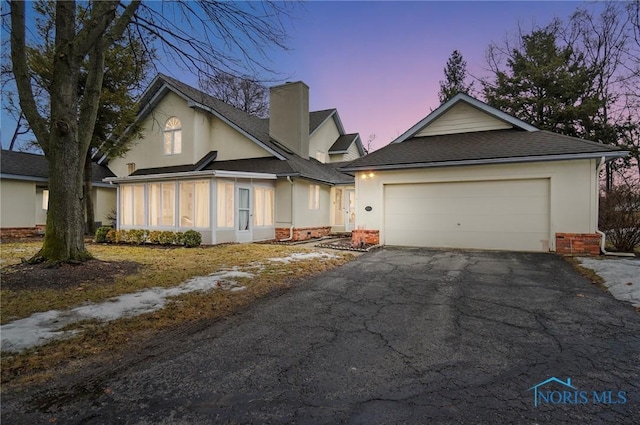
154	237
620	217
111	236
191	238
137	236
121	236
101	234
166	238
179	238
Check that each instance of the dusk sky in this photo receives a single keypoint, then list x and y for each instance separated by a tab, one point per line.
380	63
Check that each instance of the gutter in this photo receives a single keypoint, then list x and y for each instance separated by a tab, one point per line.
189	174
603	237
293	210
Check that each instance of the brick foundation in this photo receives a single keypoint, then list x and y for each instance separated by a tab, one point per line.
302	233
369	237
578	243
22	232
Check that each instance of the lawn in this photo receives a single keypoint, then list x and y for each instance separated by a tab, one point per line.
156	267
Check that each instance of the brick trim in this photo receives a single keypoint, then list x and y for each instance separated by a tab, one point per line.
302	233
578	243
368	237
22	232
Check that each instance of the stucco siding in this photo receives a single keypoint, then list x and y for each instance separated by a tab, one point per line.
572	190
17	203
104	202
323	138
462	118
40	214
283	203
304	217
201	133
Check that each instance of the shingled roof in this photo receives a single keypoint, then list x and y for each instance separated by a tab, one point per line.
34	167
255	128
485	147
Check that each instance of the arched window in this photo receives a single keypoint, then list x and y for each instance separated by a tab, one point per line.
172	136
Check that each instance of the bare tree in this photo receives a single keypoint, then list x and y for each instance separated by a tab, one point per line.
244	93
200	35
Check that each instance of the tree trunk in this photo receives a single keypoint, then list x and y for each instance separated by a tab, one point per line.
64	235
90	228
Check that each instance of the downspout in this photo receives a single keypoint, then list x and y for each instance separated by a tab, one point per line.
293	210
598	231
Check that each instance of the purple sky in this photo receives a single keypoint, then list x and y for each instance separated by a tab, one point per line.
380	63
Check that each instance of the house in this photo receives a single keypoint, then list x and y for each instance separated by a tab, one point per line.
25	198
202	164
471	176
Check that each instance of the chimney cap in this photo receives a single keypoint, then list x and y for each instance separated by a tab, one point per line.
289	83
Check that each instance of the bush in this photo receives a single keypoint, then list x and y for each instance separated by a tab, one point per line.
111	236
179	238
154	237
191	238
137	236
619	217
167	238
101	234
121	236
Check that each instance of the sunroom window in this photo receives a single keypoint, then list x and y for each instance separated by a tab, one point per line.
162	198
225	204
132	200
194	204
173	136
263	206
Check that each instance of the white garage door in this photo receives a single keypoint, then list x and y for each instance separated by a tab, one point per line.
500	214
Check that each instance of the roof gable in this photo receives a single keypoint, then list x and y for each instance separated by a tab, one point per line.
473	114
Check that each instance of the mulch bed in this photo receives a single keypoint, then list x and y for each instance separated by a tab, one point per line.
41	276
345	245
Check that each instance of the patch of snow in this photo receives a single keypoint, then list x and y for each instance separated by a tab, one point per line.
621	276
300	256
41	328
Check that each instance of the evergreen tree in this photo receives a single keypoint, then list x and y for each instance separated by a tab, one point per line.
455	74
547	86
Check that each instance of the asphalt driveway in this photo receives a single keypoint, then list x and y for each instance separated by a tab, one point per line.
396	336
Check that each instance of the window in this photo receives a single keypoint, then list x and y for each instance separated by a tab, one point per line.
194	204
225	204
133	205
162	198
172	136
263	206
314	197
320	156
45	199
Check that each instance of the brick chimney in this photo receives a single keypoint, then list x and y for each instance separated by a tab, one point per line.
289	117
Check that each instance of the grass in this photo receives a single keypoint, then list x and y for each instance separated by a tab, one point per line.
159	268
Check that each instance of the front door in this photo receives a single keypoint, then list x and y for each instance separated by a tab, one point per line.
350	210
244	226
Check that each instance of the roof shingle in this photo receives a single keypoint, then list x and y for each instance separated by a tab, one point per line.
477	146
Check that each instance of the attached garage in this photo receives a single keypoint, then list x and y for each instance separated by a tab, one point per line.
470	176
498	214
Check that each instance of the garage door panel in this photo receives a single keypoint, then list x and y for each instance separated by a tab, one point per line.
510	214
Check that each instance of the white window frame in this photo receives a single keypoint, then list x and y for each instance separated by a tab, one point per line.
314	197
172	128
